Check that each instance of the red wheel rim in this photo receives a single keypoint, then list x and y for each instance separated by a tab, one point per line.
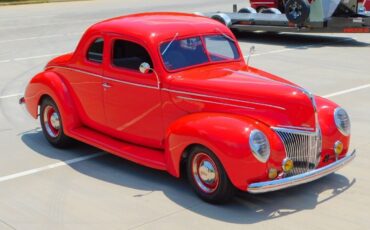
51	121
205	172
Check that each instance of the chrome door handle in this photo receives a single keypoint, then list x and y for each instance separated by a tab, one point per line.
106	85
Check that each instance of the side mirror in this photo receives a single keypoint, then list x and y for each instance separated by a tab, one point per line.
144	68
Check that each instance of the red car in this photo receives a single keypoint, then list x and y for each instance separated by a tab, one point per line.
172	91
366	4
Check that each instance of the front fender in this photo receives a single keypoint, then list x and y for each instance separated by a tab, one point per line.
330	132
227	135
51	84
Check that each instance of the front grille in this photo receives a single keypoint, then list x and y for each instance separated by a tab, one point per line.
303	147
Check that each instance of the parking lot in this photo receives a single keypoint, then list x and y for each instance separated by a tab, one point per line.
84	188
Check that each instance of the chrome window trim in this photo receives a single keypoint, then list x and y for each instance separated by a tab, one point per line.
102	77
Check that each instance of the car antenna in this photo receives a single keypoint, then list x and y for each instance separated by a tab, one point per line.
251	52
169	44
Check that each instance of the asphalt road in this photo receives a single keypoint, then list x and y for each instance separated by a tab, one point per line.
84	188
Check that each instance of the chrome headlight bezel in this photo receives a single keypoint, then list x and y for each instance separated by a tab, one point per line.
342	121
260	145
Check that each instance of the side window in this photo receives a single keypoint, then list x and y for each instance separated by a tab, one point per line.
129	55
95	52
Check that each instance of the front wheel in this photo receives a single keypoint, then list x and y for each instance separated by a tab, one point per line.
52	125
208	177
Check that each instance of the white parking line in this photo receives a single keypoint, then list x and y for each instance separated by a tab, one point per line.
11	95
51	166
24	17
347	91
51	24
36	57
39	37
299	47
31	57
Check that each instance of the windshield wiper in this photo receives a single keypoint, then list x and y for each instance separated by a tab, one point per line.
169	44
225	35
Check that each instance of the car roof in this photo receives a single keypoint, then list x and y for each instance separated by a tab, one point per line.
160	26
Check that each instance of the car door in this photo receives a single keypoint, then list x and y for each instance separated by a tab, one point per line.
132	99
86	81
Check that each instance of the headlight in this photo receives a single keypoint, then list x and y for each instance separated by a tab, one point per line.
342	121
260	145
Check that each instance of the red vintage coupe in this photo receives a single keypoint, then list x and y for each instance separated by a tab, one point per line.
172	91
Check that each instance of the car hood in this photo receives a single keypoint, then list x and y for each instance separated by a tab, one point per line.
245	91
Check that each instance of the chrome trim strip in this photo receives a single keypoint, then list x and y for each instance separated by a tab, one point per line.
213	102
102	77
296	127
295	131
269	186
222	98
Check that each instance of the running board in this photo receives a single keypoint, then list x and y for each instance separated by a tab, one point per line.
138	154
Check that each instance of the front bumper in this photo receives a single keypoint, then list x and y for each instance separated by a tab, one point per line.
269	186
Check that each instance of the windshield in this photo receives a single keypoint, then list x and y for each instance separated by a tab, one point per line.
183	53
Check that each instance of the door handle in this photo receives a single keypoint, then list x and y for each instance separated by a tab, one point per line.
106	85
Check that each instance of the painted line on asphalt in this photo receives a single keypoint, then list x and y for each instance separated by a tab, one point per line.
347	91
31	57
25	17
39	37
52	24
49	167
299	47
11	95
36	57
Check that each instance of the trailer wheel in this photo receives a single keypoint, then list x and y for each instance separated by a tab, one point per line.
297	11
223	18
247	10
270	11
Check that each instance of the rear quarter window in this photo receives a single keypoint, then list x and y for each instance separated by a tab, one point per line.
95	51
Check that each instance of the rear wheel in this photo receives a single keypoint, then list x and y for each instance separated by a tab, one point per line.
52	125
208	177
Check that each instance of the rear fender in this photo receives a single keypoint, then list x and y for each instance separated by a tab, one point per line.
51	84
227	135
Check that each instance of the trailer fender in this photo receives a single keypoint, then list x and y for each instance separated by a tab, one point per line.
223	18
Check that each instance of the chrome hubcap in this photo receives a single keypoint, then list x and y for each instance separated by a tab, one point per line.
51	121
205	173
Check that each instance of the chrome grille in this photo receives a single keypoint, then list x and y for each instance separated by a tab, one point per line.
303	147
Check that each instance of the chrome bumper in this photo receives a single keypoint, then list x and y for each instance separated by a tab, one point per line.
269	186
